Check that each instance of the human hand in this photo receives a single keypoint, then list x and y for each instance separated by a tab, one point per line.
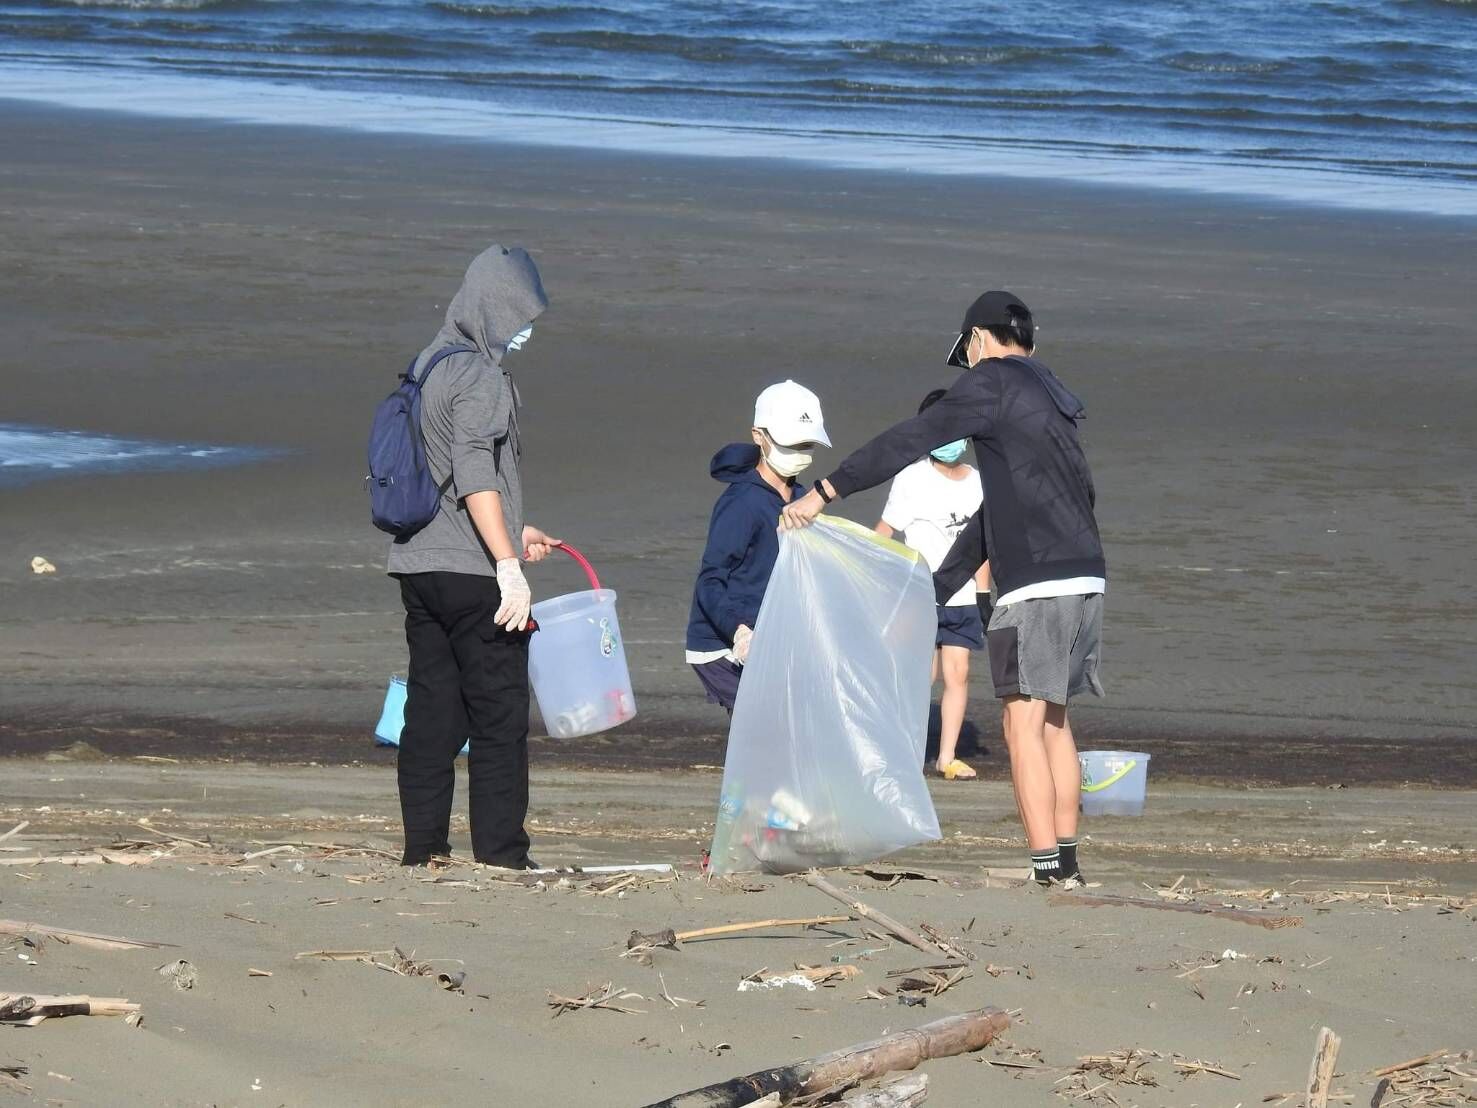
802	512
512	613
741	639
536	544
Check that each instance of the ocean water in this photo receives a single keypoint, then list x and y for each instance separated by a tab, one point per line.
1370	103
29	454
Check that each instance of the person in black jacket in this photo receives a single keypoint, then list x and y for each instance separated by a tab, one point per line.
1041	537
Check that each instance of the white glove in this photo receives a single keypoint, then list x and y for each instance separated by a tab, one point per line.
741	639
512	614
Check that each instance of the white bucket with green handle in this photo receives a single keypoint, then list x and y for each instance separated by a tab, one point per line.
1113	782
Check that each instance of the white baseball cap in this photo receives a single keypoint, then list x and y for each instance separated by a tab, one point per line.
791	413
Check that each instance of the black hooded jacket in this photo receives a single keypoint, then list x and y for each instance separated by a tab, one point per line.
1038	522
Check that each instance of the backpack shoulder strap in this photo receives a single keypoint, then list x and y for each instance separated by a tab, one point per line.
432	361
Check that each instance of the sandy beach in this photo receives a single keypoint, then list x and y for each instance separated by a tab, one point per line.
1279	419
1285	496
1381	881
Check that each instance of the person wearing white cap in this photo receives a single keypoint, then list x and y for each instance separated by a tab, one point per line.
743	540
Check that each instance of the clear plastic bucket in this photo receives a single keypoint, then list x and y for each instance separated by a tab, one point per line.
1114	782
577	664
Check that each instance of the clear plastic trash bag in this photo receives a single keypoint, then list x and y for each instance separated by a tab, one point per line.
825	753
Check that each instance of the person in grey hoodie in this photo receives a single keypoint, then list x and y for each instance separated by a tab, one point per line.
465	596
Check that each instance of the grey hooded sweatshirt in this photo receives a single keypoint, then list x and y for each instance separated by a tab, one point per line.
469	414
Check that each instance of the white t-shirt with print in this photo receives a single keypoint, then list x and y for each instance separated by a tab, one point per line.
931	509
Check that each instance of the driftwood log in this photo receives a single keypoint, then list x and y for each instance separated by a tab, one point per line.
1320	1069
1239	915
29	1009
903	1050
671	938
903	932
22	929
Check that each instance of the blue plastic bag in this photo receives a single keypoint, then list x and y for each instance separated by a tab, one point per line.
826	748
392	716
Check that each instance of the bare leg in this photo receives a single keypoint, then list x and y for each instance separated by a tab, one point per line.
1030	770
1066	770
954	662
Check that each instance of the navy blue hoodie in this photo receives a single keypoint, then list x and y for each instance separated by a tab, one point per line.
742	545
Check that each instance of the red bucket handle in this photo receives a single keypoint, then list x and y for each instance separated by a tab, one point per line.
584	563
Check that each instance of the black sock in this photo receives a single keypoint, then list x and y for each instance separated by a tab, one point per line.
1046	865
1068	848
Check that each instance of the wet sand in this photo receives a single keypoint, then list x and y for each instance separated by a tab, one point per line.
1382	880
1279	420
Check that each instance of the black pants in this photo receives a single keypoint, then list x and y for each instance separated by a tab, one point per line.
468	681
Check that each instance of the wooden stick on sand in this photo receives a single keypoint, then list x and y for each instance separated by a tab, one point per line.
672	938
28	1009
903	1050
907	934
1239	915
21	929
1320	1070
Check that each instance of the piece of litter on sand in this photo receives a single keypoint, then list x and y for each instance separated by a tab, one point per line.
181	972
779	981
258	973
41	565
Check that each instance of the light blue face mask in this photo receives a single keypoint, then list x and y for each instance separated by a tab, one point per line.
517	341
950	452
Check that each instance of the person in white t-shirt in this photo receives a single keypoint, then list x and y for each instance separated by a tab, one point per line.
929	503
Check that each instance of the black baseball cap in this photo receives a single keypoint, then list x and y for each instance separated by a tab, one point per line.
991	309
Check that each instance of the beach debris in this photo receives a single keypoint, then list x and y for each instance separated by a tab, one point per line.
1194	907
906	934
932	982
840	1069
676	1001
806	977
40	565
252	972
670	939
16	830
394	961
29	1009
1320	1070
944	944
606	996
23	929
79	751
182	973
777	981
902	1091
1188	1067
451	980
1439	1079
10	1078
84	858
1094	1076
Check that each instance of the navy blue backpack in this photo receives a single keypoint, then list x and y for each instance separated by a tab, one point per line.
403	497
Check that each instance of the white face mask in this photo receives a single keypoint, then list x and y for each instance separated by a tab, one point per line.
787	462
517	341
